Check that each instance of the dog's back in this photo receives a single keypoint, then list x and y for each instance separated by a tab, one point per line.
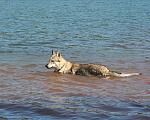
90	69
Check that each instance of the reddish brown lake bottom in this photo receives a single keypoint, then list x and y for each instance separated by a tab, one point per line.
30	91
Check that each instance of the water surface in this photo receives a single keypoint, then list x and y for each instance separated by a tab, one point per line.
113	32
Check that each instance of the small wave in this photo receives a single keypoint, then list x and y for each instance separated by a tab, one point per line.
18	108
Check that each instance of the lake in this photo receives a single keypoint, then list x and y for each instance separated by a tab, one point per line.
115	33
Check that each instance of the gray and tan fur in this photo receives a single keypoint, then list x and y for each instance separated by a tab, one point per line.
61	65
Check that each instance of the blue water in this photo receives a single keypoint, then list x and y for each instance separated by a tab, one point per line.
101	27
111	32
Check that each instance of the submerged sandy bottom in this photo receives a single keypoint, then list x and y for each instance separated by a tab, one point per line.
32	92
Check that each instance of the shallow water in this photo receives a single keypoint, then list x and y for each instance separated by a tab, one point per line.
113	32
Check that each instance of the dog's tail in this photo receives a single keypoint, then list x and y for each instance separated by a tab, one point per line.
118	74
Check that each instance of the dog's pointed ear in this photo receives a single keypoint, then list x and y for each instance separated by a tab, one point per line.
52	52
58	54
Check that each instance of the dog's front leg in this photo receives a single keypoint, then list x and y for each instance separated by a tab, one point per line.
63	70
73	72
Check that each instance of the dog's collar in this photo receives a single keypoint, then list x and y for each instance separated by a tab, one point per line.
62	66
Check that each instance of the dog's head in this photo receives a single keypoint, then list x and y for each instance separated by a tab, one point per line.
55	61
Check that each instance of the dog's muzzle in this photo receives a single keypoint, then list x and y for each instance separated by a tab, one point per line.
47	66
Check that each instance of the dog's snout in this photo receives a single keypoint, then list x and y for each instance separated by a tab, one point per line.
46	65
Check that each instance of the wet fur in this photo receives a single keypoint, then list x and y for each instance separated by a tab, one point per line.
61	65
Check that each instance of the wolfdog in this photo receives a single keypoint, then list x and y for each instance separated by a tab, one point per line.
61	65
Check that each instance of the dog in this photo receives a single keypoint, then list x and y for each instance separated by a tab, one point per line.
61	65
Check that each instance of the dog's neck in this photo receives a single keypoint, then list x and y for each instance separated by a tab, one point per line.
63	63
65	66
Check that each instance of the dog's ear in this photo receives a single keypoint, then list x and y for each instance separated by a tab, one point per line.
58	54
52	52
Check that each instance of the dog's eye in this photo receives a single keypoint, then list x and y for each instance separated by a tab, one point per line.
55	61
